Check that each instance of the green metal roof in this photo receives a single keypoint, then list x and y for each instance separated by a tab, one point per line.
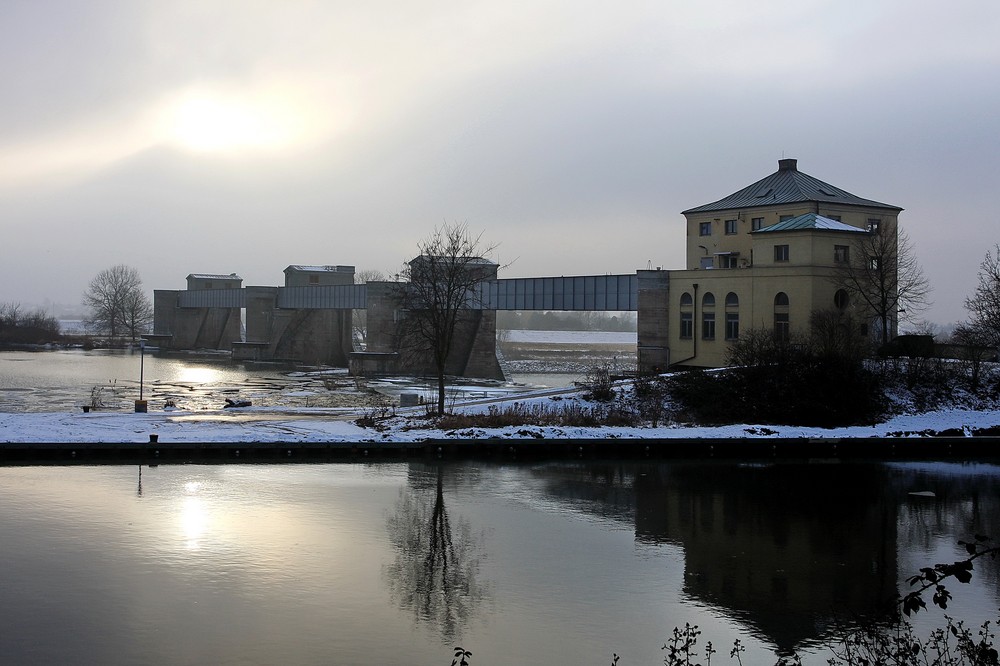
810	221
785	186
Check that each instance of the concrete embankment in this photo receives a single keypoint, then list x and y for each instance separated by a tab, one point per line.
952	449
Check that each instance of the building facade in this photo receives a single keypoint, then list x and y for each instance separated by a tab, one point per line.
764	257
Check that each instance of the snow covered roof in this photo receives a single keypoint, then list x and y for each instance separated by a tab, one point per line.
810	221
213	276
302	268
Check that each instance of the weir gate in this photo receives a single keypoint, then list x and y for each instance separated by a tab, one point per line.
312	323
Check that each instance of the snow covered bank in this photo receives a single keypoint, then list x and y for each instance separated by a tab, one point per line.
319	425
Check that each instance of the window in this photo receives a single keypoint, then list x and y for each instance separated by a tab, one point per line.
840	299
705	229
687	325
708	325
732	316
707	262
873	263
835	218
781	253
841	254
756	224
732	325
313	279
708	316
730	227
208	285
873	224
729	260
782	324
782	218
687	317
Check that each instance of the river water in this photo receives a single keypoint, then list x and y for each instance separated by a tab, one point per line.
61	380
557	563
399	563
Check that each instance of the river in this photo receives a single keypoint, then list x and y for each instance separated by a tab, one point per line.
61	380
399	563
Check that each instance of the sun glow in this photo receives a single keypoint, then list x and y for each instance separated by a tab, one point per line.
207	124
273	118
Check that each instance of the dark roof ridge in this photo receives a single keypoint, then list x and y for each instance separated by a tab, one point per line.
785	186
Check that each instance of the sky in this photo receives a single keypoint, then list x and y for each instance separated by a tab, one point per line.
221	136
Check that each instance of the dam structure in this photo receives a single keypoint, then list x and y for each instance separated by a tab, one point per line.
309	319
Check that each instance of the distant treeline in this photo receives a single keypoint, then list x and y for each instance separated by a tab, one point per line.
20	327
566	321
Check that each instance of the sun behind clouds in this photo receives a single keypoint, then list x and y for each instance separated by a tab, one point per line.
218	122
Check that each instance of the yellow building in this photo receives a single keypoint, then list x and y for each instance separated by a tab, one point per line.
762	257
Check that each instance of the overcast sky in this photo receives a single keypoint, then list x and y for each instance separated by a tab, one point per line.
217	137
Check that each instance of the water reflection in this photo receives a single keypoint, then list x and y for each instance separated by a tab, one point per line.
436	568
391	563
791	550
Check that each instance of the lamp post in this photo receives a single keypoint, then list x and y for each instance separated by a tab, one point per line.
140	404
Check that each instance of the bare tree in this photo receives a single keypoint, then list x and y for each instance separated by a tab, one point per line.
984	304
116	302
359	318
884	275
20	327
441	291
975	345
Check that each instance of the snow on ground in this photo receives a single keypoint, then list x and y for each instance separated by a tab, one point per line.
256	424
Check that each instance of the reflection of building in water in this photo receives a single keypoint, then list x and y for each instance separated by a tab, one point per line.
780	548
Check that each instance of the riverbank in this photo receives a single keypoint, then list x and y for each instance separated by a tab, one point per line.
510	450
328	433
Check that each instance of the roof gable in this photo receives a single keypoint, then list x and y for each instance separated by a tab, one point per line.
788	185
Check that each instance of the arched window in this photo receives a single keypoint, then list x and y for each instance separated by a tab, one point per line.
708	316
841	299
687	316
732	316
782	325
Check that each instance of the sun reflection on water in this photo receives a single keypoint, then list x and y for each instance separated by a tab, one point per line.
198	375
194	516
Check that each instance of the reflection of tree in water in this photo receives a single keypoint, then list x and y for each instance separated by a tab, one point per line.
436	567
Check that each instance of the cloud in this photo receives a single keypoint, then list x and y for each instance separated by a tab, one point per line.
243	136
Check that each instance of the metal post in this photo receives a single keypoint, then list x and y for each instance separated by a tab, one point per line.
142	359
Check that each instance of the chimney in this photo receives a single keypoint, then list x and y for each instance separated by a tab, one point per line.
788	165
